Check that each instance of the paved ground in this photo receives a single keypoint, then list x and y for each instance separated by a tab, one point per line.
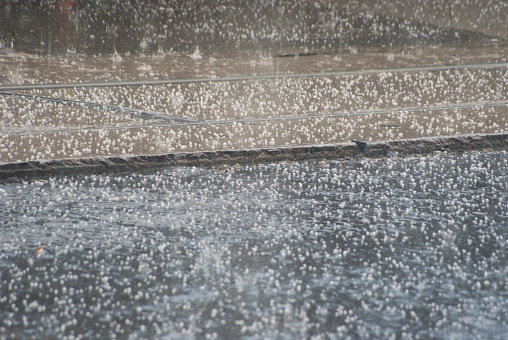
91	108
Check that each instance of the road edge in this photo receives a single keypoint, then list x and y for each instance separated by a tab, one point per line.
352	149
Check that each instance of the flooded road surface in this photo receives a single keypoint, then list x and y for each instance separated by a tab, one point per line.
248	112
93	79
372	248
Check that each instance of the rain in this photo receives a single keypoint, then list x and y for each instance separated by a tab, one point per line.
266	169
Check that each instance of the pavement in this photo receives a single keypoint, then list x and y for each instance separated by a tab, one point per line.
71	114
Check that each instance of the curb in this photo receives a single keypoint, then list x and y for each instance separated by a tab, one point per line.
252	156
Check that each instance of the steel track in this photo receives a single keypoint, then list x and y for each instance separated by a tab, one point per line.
430	68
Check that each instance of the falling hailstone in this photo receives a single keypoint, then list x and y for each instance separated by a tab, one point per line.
116	57
196	55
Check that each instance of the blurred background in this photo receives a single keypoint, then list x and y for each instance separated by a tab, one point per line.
232	28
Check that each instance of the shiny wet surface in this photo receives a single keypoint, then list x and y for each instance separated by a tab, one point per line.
267	74
254	111
233	28
397	247
365	248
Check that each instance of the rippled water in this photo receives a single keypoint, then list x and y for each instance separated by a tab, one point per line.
397	247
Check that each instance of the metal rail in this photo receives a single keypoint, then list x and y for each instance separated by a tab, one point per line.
97	106
431	68
256	121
